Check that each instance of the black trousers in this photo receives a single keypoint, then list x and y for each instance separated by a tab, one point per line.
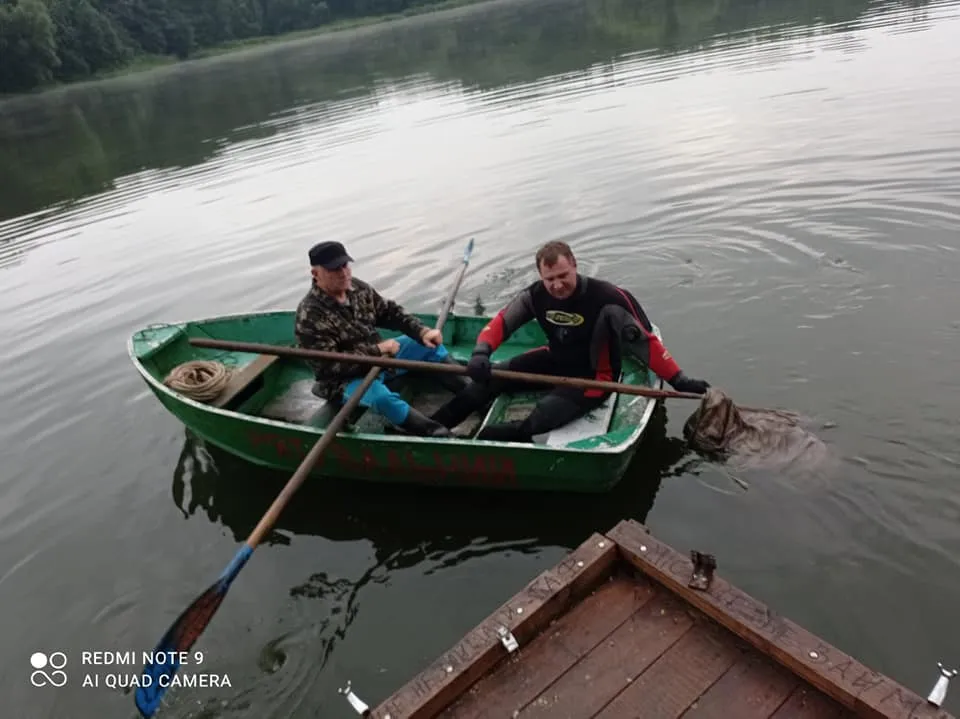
559	406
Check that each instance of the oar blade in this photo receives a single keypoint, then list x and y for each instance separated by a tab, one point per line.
181	636
193	620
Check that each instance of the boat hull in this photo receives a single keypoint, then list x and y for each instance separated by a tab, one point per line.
592	465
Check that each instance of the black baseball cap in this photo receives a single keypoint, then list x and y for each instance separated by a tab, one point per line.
329	255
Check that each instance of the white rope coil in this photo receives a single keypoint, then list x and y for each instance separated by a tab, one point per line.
201	380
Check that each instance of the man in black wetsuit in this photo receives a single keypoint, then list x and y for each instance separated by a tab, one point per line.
589	323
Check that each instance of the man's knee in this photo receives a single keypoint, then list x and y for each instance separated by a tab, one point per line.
553	411
413	350
438	353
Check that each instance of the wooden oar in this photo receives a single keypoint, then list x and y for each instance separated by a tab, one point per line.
176	642
416	365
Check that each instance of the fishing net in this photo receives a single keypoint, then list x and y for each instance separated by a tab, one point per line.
751	437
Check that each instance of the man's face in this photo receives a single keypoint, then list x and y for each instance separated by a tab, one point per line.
333	281
560	278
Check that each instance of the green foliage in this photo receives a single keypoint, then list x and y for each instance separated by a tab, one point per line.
28	45
42	41
80	141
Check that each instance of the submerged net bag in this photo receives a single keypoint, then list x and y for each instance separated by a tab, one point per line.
750	436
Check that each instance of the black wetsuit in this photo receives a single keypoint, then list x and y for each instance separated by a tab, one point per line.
587	334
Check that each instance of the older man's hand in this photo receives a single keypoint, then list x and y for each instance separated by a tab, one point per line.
431	337
389	348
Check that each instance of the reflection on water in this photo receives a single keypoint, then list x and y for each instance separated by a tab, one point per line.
79	141
429	530
412	525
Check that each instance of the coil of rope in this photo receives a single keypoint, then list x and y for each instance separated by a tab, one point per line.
200	380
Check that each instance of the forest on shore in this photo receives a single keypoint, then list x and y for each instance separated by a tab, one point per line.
56	41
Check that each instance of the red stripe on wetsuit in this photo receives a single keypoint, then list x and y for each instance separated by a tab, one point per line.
493	333
660	360
604	371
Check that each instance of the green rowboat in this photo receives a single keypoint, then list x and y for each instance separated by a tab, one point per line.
268	415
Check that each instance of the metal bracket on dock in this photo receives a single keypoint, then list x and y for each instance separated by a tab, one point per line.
358	705
939	691
507	639
703	566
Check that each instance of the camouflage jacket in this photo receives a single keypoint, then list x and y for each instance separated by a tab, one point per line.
324	324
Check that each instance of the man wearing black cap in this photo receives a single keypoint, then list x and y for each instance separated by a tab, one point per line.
341	314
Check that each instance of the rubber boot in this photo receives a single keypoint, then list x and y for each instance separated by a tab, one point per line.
419	424
515	431
457	409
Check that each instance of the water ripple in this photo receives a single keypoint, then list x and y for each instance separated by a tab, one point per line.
782	197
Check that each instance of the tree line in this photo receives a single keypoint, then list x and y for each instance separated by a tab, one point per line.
45	41
75	144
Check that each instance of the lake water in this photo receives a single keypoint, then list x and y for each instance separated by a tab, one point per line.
779	183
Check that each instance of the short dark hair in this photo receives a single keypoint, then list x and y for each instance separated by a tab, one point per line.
553	251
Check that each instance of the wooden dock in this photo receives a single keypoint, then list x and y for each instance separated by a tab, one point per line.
614	631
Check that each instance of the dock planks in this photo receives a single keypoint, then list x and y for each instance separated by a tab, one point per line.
614	632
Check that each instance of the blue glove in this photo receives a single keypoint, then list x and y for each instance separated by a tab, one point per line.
479	367
682	383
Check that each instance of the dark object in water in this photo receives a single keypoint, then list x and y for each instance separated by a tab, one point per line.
753	438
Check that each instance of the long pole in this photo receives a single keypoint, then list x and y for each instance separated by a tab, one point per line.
418	366
186	629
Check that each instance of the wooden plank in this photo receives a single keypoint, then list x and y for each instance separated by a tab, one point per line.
525	615
611	666
675	680
299	404
753	689
590	424
808	703
240	379
866	692
530	670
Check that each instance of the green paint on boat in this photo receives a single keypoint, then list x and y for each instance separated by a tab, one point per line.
276	419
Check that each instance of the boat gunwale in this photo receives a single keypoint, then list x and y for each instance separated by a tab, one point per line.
628	444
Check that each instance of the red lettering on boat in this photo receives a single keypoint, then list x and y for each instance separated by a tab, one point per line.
436	466
369	459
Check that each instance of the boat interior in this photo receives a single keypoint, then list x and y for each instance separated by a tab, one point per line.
281	388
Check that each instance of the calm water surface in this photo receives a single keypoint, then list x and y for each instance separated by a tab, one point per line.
778	182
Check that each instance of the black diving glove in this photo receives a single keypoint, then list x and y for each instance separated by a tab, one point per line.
478	368
682	383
